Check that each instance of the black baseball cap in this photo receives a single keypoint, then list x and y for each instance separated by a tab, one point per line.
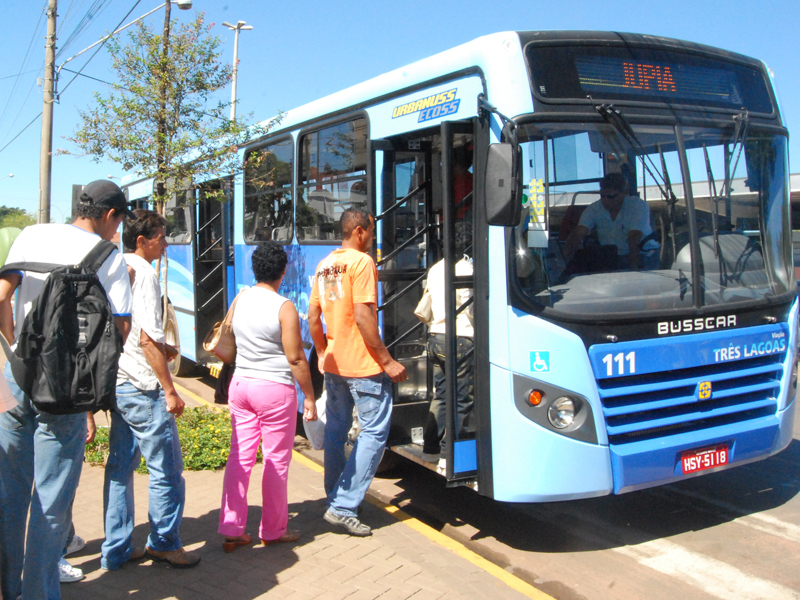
107	194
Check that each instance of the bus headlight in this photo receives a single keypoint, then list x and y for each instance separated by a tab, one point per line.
561	412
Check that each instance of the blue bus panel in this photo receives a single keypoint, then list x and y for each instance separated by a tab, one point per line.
664	397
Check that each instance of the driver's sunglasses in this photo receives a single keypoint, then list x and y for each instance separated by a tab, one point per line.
615	194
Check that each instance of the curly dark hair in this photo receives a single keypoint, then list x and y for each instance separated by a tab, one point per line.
269	262
146	223
93	211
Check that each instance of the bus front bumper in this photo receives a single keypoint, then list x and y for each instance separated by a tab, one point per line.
649	463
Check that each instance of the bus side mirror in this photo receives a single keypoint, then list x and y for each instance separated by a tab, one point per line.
501	185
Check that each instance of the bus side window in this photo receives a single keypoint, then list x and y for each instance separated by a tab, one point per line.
178	216
268	193
332	178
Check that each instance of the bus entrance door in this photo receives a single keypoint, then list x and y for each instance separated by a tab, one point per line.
405	227
454	355
213	258
425	180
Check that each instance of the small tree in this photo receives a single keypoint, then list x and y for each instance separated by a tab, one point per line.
15	217
161	119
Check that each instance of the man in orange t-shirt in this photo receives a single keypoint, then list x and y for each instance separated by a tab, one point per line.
358	368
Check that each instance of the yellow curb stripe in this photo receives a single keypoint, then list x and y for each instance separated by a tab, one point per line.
195	397
306	462
438	537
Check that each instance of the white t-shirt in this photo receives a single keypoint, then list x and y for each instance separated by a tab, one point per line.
65	245
146	291
633	216
435	285
259	345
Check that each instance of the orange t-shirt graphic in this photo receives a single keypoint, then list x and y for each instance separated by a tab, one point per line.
346	277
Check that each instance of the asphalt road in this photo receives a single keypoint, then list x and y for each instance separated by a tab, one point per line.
733	534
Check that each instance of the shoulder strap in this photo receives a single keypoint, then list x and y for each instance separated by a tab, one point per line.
18	368
97	256
29	266
91	262
229	317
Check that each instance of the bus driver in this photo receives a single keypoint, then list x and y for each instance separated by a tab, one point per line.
620	220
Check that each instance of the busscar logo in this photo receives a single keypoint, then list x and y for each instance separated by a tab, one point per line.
701	324
431	107
704	390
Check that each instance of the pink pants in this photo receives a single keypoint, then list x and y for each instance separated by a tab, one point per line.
266	412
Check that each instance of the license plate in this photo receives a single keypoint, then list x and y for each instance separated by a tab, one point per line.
707	458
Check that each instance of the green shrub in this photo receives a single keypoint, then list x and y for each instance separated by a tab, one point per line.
97	451
205	436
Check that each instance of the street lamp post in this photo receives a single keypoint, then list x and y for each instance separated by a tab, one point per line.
240	26
49	94
4	176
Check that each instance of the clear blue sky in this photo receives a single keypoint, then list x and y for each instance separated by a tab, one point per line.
302	50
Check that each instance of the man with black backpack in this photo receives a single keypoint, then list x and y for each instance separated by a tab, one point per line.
42	439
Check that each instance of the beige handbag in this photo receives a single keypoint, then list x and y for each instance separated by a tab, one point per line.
220	340
424	310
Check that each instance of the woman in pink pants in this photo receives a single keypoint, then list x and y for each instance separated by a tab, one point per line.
263	402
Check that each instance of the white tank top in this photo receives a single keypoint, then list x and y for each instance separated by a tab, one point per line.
259	348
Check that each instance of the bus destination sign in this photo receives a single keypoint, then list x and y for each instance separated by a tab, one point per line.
580	73
628	77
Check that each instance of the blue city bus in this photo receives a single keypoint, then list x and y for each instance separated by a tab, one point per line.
593	375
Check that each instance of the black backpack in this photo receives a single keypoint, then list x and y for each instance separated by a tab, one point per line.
68	350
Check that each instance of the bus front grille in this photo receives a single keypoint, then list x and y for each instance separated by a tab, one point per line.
661	404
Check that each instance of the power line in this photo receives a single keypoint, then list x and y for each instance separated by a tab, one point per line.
92	13
22	107
68	15
21	132
64	89
22	65
95	79
22	73
73	79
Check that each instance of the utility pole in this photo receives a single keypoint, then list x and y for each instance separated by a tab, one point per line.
240	26
161	141
46	156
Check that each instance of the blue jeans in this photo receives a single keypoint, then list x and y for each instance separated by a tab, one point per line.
141	425
346	482
41	456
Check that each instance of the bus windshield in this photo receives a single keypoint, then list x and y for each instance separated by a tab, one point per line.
571	254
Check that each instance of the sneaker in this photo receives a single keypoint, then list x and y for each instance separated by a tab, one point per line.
352	524
67	573
76	545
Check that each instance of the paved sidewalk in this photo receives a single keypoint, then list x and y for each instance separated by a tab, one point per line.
396	563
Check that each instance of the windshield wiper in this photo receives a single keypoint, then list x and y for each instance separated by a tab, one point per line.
715	200
615	118
671	200
742	121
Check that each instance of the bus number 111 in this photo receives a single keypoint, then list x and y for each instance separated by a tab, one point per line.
620	359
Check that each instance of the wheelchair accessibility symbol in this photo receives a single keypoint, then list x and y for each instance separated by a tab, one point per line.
540	362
